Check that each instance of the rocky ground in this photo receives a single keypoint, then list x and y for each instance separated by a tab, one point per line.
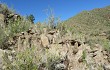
78	55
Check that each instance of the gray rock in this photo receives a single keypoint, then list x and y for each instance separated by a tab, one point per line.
60	66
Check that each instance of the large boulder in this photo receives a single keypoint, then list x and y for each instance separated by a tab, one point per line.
44	41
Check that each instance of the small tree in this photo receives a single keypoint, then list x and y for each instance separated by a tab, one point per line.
31	18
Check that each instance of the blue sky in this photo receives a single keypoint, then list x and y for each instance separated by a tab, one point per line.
62	8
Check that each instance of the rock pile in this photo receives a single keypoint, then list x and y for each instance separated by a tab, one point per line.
77	55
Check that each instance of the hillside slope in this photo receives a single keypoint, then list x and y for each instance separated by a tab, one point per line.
94	21
91	27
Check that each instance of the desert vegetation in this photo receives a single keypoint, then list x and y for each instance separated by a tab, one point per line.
81	42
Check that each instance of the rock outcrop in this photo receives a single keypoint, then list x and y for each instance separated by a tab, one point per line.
79	56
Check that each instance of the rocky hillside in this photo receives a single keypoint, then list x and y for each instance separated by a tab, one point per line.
58	53
91	26
91	22
26	46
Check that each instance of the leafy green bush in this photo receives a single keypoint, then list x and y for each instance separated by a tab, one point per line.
13	27
18	26
29	59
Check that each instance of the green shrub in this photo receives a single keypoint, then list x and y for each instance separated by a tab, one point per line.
30	59
3	38
106	44
31	18
25	60
18	26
